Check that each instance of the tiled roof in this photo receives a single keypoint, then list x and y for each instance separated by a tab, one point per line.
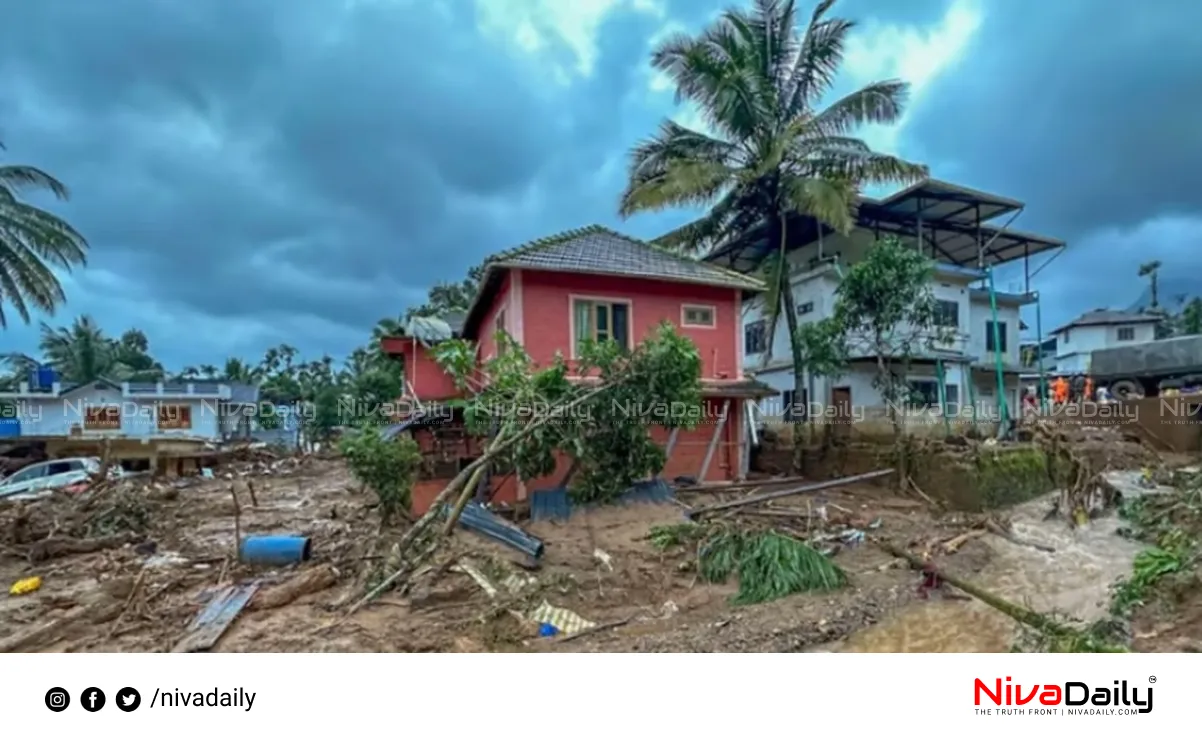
600	250
1108	317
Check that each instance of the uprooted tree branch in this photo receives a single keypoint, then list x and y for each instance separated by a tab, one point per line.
598	411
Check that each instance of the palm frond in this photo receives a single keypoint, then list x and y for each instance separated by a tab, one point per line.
870	168
824	198
32	240
877	103
818	59
16	178
712	71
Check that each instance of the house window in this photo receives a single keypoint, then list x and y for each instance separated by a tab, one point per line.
499	323
805	308
794	409
926	392
990	344
175	417
755	337
697	316
1126	334
600	321
947	314
102	417
1066	336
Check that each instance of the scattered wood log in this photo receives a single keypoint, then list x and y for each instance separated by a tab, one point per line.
103	604
706	487
922	494
595	629
953	545
797	490
303	584
52	547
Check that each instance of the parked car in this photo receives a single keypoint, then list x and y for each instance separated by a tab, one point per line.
34	480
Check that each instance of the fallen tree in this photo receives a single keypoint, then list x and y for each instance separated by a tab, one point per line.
1061	637
598	411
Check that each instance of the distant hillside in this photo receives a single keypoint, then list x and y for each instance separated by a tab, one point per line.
1170	290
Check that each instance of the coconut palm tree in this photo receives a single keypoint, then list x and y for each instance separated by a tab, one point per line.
81	352
237	370
32	243
773	152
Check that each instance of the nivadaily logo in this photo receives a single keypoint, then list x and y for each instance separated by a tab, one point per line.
1070	697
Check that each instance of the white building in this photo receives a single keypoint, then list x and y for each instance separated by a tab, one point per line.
138	415
1097	330
951	222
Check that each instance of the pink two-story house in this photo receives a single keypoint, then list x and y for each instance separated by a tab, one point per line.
594	283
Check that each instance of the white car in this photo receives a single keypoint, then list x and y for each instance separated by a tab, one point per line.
37	479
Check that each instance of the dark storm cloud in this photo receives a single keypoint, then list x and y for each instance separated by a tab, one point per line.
325	158
298	170
1091	113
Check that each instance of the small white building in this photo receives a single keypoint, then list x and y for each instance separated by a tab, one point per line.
949	223
1097	330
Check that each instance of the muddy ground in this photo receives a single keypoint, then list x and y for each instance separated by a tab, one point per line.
599	565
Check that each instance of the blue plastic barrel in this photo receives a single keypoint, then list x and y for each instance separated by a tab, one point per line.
275	549
46	377
10	428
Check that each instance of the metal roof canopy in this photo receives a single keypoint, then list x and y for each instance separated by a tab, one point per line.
939	200
952	219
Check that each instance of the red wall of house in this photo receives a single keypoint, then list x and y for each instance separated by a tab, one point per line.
688	454
546	309
429	380
488	328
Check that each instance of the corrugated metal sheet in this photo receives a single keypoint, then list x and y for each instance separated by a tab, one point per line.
479	519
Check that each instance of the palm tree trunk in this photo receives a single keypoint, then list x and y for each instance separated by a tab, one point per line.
789	305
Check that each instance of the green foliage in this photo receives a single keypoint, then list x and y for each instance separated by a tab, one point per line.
83	352
769	565
771	153
387	467
1105	636
886	308
445	298
1190	320
1171	522
603	425
33	242
759	85
823	345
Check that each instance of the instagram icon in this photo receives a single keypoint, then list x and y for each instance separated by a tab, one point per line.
57	699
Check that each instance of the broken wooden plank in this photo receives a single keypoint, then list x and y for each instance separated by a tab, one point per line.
215	618
713	485
810	488
718	429
667	451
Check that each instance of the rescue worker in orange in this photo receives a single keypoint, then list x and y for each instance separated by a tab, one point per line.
1088	389
1060	391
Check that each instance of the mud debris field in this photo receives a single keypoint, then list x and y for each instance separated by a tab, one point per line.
128	568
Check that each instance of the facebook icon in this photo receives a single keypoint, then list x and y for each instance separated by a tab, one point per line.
92	699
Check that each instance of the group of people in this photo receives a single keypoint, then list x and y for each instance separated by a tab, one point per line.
1063	390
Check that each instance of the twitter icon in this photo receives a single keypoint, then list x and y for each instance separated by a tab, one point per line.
128	699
